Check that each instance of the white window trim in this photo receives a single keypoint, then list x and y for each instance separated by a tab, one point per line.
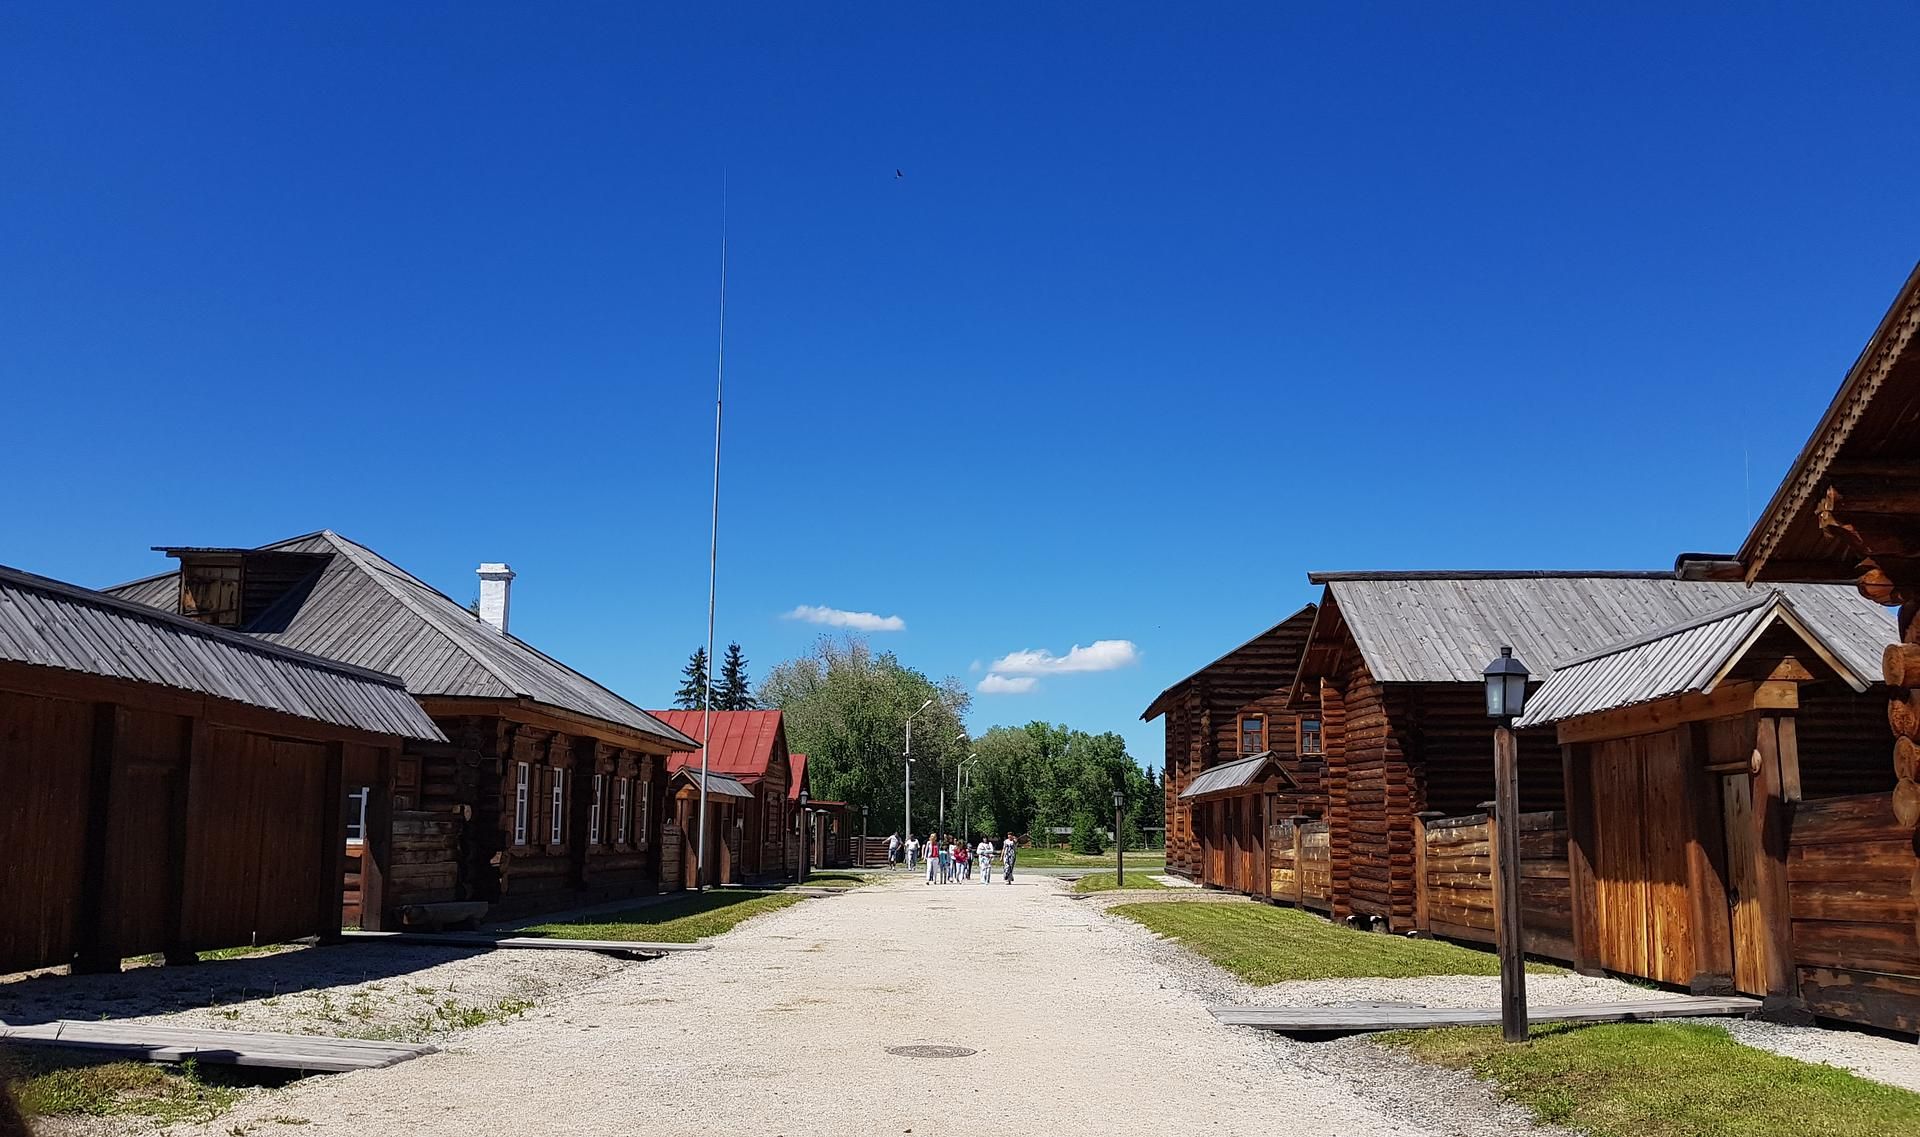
520	804
646	813
362	793
593	818
624	800
559	806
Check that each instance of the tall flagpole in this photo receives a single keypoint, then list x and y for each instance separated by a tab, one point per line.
713	546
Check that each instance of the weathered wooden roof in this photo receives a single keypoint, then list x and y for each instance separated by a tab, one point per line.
743	745
363	609
718	785
1235	775
1262	664
1445	627
1872	426
48	623
1695	656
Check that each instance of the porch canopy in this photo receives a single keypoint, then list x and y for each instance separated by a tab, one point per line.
1244	775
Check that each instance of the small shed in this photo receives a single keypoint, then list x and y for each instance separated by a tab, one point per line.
727	802
1685	767
1231	807
171	787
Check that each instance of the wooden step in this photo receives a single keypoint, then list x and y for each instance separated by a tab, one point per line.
1366	1017
307	1052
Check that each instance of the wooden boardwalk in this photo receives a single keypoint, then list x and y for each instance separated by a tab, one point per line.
1360	1018
154	1043
482	942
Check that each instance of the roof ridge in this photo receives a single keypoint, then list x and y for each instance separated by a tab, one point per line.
353	551
138	611
1772	596
1341	576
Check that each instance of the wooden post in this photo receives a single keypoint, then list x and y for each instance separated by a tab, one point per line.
1770	819
1422	909
1299	863
93	951
1503	830
333	845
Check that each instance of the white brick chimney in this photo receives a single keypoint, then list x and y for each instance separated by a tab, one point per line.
496	583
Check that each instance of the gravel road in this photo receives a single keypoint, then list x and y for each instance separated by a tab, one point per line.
783	1029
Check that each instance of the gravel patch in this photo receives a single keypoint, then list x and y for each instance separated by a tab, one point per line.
1895	1062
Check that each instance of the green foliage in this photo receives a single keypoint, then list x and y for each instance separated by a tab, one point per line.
1668	1080
1030	779
1086	836
1262	944
733	693
682	920
693	682
56	1085
846	709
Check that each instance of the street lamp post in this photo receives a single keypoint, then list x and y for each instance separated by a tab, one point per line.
1119	846
1506	679
962	778
805	837
906	818
863	836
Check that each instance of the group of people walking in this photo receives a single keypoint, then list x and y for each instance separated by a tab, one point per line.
950	861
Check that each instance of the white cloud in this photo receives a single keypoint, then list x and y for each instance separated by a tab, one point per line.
841	618
1003	685
1100	655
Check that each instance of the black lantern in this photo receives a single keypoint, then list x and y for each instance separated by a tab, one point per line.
1119	799
1506	686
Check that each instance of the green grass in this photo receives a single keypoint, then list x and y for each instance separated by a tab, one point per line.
1668	1080
838	878
682	920
61	1084
1061	858
1262	944
1105	882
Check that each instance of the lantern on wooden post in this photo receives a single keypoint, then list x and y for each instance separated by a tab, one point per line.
804	835
1506	679
1119	846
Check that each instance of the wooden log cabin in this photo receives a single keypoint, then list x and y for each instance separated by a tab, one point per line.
552	791
1393	666
1685	764
1234	708
171	787
749	747
727	803
1849	509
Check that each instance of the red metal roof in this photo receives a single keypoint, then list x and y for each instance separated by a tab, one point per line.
799	779
743	741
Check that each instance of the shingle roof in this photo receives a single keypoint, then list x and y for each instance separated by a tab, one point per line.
1692	657
48	623
743	741
363	609
1443	628
1234	775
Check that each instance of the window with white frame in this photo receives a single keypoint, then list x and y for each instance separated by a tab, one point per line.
646	814
559	806
520	805
622	800
356	813
593	817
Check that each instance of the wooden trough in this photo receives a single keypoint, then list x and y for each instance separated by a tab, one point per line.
304	1052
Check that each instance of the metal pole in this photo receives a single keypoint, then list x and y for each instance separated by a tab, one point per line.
1119	846
907	821
713	548
1510	936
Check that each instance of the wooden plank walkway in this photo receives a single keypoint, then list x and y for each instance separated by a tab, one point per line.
482	942
312	1053
1359	1018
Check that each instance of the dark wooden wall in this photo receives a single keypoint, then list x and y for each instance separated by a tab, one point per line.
160	823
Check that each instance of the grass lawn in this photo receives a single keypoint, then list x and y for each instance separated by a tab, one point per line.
1104	882
1668	1080
72	1084
1262	944
838	878
682	920
1156	859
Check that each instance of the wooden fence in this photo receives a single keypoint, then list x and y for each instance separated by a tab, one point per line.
1453	871
1853	882
1300	864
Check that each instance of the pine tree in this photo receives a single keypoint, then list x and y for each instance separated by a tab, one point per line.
732	693
693	686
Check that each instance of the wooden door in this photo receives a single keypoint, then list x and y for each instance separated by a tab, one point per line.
1619	858
685	810
1743	886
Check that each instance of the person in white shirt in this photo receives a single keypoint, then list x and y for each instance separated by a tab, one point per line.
893	850
983	853
913	851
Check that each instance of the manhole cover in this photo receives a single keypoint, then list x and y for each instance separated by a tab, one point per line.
930	1051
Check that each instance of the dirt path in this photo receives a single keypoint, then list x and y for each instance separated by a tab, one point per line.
782	1029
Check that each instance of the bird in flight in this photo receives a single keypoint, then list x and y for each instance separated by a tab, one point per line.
898	174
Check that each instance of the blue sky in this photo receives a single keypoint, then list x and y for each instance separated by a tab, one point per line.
1169	308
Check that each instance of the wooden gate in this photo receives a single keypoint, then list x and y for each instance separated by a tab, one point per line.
1644	922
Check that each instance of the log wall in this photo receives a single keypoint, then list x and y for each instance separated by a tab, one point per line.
1457	876
1853	881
